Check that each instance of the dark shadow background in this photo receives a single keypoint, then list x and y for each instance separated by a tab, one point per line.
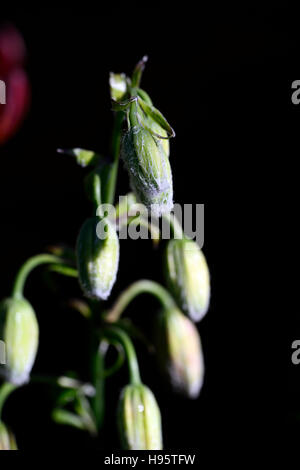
211	74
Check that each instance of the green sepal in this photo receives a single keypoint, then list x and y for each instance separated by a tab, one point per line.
61	416
64	270
157	116
137	73
144	95
83	157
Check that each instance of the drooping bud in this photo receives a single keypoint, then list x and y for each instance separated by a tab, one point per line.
7	439
97	259
139	419
187	276
180	353
149	169
20	332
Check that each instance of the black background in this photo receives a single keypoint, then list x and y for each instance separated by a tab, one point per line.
218	78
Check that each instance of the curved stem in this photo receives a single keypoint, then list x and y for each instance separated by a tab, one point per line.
5	391
140	287
118	362
27	267
117	334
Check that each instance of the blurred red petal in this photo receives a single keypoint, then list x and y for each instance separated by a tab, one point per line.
12	49
17	101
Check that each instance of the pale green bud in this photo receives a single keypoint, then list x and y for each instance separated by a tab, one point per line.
139	419
7	439
97	259
187	276
20	332
180	353
149	169
118	86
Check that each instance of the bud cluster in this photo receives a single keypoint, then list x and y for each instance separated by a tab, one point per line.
141	138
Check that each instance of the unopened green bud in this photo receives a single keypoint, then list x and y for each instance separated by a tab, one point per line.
7	439
97	259
118	86
149	169
20	332
139	419
187	277
180	352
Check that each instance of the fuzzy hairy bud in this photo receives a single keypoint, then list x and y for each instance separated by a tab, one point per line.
149	169
97	259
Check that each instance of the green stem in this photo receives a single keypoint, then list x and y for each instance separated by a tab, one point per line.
27	267
5	391
99	384
117	334
176	228
140	287
116	144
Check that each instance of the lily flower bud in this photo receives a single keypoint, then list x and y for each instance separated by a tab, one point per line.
180	353
97	259
20	332
7	439
187	276
139	419
149	169
118	86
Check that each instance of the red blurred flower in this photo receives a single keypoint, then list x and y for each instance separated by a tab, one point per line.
12	56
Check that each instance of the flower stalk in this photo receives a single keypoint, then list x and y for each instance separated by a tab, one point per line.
26	269
116	334
143	286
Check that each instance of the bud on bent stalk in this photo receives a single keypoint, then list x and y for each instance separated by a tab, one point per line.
20	333
180	353
97	259
139	419
187	276
7	439
149	169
